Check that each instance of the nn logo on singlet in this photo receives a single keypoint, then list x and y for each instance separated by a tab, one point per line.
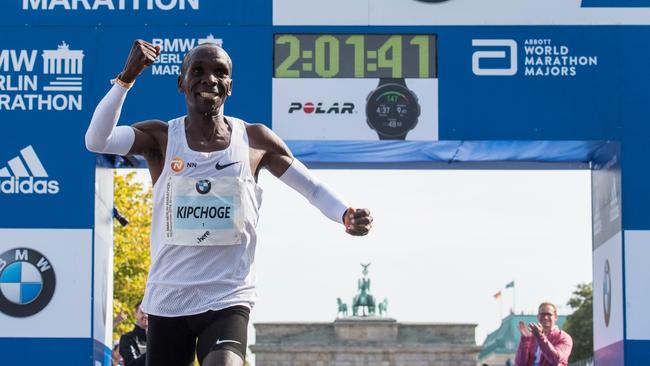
26	178
178	164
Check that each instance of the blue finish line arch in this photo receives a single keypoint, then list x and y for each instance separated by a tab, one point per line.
521	86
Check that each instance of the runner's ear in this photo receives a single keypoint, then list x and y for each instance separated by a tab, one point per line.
180	83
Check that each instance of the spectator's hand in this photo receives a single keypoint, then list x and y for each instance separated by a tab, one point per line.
357	221
142	55
523	330
536	329
118	319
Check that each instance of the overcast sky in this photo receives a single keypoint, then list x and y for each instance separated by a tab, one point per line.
443	243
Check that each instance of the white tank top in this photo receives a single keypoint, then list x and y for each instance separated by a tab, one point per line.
203	238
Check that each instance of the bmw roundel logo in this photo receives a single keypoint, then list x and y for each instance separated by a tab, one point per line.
607	294
203	186
27	282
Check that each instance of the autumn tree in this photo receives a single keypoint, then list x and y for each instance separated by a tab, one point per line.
131	247
580	324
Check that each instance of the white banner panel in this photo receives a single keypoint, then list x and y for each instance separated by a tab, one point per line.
334	109
103	261
336	12
460	12
608	292
637	273
35	261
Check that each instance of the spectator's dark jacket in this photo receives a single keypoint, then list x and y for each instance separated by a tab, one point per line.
133	347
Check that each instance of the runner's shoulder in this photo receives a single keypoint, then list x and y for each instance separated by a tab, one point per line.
152	126
263	138
258	132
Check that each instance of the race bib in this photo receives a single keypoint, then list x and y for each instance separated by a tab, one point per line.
204	212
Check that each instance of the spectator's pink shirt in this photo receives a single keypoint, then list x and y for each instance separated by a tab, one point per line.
555	347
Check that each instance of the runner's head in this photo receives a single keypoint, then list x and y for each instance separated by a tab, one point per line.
206	79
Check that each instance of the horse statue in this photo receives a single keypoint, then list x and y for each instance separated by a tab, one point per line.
383	307
364	299
343	307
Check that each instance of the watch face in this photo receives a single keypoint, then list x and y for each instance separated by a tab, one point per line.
392	110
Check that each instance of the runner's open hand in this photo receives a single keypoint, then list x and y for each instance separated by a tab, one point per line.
523	330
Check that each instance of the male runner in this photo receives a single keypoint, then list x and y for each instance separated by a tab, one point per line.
201	287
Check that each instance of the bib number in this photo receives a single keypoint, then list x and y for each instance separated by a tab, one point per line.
204	212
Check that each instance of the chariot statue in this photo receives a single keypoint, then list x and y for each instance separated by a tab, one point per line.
363	303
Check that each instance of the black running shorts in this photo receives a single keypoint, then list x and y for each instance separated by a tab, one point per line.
175	341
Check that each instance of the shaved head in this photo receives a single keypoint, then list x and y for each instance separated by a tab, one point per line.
188	55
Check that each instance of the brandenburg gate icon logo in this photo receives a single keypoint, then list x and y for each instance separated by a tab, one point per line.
67	65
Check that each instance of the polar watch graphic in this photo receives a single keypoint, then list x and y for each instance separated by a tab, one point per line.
392	110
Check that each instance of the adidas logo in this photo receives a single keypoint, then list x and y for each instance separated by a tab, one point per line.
23	180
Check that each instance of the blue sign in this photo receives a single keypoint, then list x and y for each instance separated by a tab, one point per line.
616	3
135	12
45	79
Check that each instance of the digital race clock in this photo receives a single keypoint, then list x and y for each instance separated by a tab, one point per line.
354	56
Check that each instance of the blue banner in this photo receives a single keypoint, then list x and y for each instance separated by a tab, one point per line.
135	12
45	174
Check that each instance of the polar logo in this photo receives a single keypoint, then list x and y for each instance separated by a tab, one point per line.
321	108
23	181
497	51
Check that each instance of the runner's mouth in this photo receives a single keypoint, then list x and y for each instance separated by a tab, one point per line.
208	95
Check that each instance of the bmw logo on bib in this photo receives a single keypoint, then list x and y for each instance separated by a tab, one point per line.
27	282
203	186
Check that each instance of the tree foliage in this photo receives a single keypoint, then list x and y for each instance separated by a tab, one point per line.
131	247
580	323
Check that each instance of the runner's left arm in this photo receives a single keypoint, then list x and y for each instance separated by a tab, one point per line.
277	158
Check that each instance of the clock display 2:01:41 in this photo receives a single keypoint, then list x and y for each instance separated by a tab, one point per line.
355	56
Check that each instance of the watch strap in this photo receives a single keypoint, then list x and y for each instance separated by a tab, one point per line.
398	81
384	137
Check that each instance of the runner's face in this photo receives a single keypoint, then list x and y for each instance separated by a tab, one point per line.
206	81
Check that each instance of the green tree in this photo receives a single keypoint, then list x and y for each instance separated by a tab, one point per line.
131	247
580	323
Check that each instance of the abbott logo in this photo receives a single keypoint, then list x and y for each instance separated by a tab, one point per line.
500	53
22	180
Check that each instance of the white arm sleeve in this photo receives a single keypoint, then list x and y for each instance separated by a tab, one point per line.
320	195
102	135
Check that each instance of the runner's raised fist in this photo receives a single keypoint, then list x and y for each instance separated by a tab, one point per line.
142	55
